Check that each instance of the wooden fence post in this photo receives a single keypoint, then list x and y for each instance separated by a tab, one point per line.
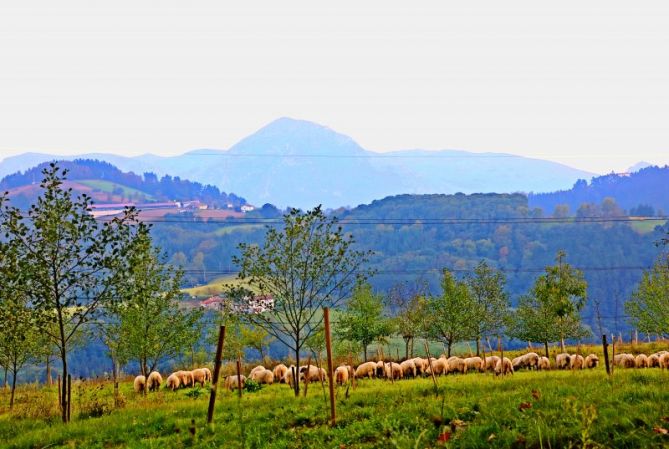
605	346
328	347
217	369
501	352
239	376
429	362
306	376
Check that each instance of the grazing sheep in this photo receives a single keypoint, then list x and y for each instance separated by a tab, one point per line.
641	361
288	377
544	363
257	368
208	375
409	368
504	367
624	360
380	368
341	375
530	360
312	373
233	382
154	381
280	372
367	369
491	362
591	361
173	382
653	361
139	384
199	376
562	361
421	365
664	360
516	363
456	364
263	377
393	369
576	362
474	363
186	378
440	366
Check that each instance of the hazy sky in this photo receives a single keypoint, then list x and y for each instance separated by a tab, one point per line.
584	83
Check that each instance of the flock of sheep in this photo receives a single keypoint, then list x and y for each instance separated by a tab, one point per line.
410	368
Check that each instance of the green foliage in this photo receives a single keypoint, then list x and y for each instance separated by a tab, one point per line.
68	258
251	386
363	321
452	314
305	266
551	311
649	306
411	318
486	286
196	392
146	324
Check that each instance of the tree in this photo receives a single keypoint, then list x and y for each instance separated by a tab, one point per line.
410	318
451	314
20	340
68	257
306	265
151	325
257	338
491	302
551	311
363	320
649	306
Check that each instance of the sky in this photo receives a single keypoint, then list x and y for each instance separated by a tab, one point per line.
582	83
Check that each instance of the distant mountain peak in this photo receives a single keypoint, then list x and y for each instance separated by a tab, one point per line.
639	166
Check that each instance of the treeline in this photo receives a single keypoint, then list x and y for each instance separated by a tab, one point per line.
166	188
641	193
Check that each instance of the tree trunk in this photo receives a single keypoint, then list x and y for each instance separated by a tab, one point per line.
63	397
296	380
478	347
115	376
4	379
449	348
11	397
406	348
365	352
546	347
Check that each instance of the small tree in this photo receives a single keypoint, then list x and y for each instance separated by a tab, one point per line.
363	320
257	338
19	336
649	306
410	319
551	311
308	264
451	314
68	257
151	325
491	302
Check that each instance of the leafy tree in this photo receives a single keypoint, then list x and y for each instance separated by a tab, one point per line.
20	340
649	306
452	313
306	265
410	318
363	320
551	311
491	302
257	338
69	259
151	325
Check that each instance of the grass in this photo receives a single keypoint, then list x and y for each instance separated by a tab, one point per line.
214	287
109	187
529	409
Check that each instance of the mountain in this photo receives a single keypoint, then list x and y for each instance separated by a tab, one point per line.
643	190
300	163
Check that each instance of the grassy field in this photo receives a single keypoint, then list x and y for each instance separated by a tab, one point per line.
554	409
109	187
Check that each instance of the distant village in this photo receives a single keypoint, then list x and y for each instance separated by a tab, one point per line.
109	209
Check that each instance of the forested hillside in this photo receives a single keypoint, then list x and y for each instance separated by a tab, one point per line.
106	183
415	236
640	193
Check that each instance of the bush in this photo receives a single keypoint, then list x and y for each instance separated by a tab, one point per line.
251	386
